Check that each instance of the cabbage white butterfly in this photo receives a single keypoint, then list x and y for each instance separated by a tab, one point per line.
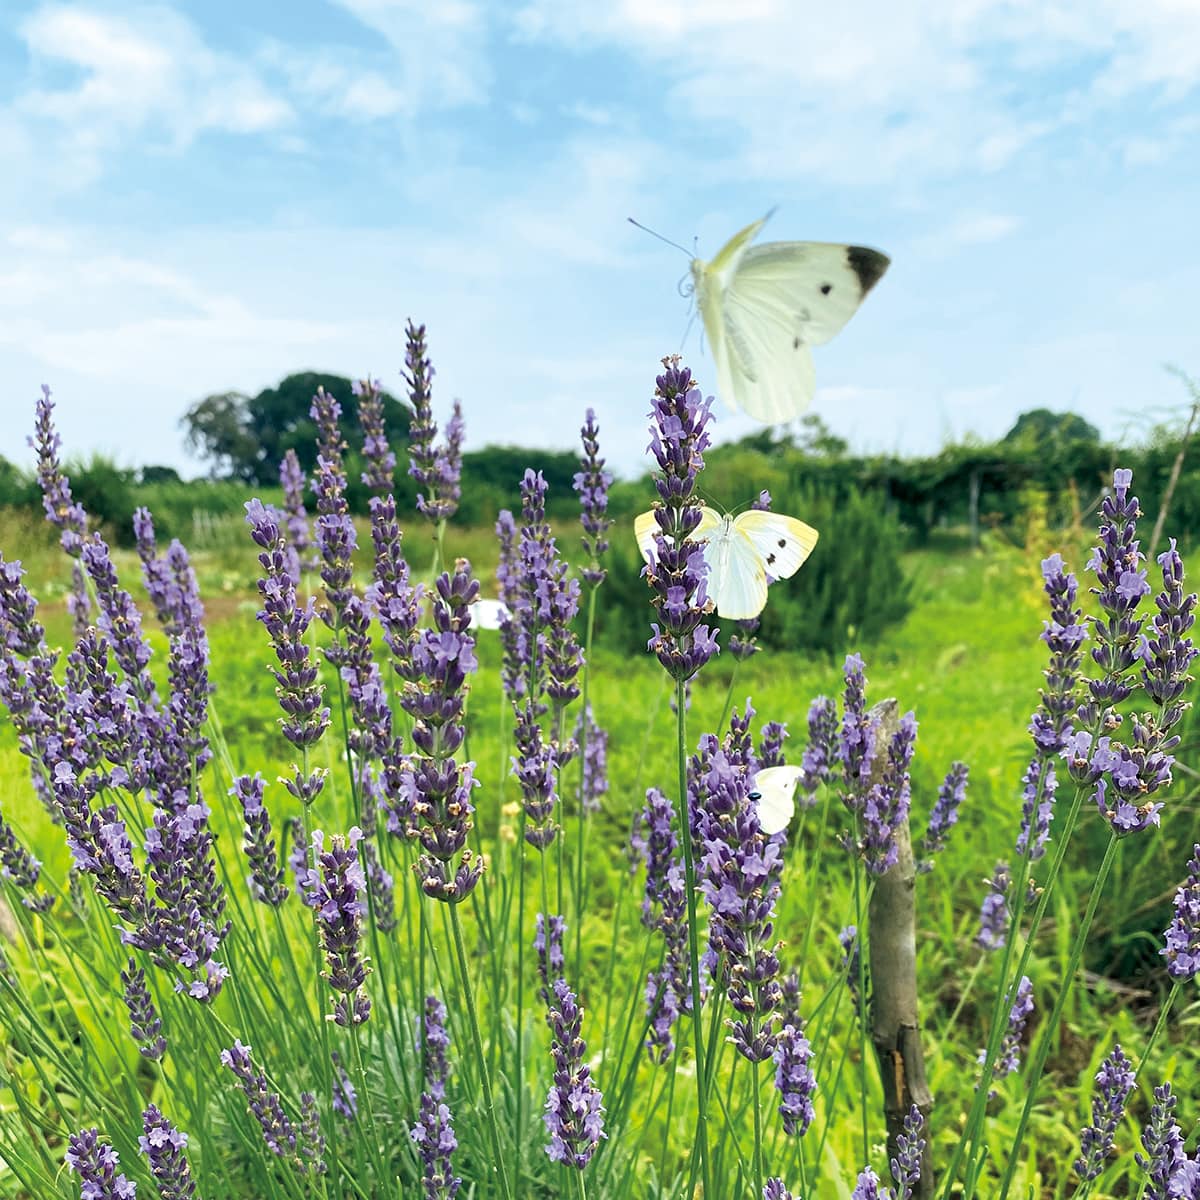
488	614
742	554
774	792
764	306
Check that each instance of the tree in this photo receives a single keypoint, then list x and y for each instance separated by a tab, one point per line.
246	437
218	429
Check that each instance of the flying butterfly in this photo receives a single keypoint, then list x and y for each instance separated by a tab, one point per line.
764	306
743	554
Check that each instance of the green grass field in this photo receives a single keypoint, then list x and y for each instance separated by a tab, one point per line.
968	661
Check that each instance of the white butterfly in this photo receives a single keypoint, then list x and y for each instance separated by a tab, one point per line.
764	306
488	614
741	553
774	791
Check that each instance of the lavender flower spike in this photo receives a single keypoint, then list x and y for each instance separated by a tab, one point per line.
266	875
677	570
592	482
340	905
1114	1082
910	1146
773	1189
1008	1057
794	1080
164	1145
144	1022
1182	937
436	469
821	751
574	1114
433	1131
278	1131
381	461
993	914
95	1162
1163	1143
944	815
867	1186
291	479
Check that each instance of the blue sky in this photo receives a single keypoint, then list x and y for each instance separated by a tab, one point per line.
207	195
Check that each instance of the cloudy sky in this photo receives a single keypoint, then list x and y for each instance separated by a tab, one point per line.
209	194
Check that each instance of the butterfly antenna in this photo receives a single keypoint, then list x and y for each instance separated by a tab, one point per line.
651	232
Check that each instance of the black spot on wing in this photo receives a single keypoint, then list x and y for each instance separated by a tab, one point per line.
869	265
770	560
782	543
826	288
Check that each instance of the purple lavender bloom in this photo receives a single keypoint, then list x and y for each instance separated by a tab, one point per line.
62	509
592	482
535	767
1167	655
312	1140
664	907
910	1146
436	469
299	535
742	643
95	1162
594	776
334	529
677	570
339	910
1114	1082
435	1045
546	606
773	1189
867	1186
1182	937
848	939
549	950
514	639
1038	792
163	1146
144	1022
380	889
265	1106
121	622
266	875
433	1131
1185	1182
794	1079
885	805
393	598
21	869
345	1098
944	816
433	1135
574	1114
381	461
770	744
1065	632
298	690
1121	584
993	914
740	873
1008	1058
856	746
1163	1143
435	787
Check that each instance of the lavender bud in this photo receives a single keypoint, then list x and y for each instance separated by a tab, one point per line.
163	1146
910	1146
944	815
1182	948
592	482
144	1022
994	915
1114	1082
1163	1142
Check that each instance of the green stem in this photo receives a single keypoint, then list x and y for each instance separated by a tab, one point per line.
861	952
758	1138
583	741
489	1103
1160	1025
1048	1035
689	868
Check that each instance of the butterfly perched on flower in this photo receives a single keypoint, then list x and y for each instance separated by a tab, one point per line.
764	306
773	791
743	553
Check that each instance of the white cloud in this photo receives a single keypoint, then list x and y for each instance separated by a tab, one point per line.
898	90
138	75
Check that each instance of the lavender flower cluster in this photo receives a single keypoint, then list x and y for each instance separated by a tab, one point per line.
436	469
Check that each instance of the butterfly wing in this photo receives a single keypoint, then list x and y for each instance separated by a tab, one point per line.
781	543
737	583
813	288
646	529
776	788
764	307
489	614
